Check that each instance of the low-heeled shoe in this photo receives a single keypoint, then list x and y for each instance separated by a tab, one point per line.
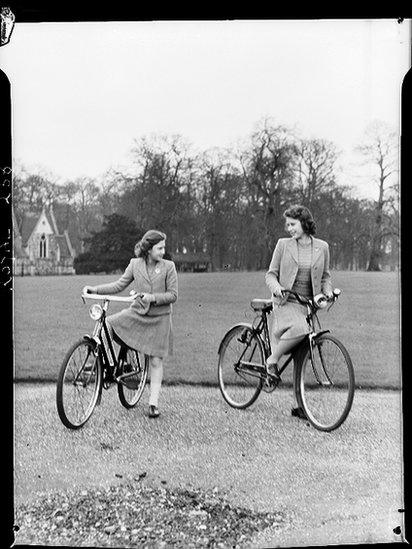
298	412
153	411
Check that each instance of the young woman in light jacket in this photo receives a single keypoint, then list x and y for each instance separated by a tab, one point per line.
146	325
299	263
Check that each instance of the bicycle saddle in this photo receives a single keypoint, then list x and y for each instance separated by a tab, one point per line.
261	304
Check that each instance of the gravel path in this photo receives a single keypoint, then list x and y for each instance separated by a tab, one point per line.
258	477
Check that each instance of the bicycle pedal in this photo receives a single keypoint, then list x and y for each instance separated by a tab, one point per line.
270	385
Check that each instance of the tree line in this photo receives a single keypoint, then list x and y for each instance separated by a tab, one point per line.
228	203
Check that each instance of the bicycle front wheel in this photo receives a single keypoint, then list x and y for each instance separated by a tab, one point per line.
241	361
78	385
326	383
132	380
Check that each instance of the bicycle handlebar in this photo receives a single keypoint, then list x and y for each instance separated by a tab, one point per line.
316	302
303	300
103	297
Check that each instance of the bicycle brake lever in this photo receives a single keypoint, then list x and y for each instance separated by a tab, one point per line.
283	299
331	305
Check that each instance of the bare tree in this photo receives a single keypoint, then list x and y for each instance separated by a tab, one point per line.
380	149
315	168
222	200
33	191
159	193
268	170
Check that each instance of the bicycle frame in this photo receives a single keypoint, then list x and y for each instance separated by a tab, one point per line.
101	326
105	349
94	363
262	327
323	374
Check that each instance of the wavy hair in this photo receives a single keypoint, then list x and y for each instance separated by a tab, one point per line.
146	243
305	217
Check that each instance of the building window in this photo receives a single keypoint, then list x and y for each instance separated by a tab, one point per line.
43	248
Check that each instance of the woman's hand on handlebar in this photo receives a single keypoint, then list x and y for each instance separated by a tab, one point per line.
278	292
88	290
147	298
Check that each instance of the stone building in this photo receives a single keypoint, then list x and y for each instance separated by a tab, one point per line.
39	248
192	262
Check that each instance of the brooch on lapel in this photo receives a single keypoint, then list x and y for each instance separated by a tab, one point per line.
157	270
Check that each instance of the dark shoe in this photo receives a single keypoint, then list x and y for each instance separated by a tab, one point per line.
153	411
298	412
272	378
272	371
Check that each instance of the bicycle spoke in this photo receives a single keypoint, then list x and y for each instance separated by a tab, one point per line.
240	385
132	377
327	384
78	385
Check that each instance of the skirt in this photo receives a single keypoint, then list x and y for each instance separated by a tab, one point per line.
151	335
289	321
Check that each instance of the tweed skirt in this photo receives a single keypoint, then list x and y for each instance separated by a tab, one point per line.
151	335
289	321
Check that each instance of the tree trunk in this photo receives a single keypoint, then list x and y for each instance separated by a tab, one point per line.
376	252
374	259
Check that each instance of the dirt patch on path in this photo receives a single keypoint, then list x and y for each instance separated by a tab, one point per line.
341	487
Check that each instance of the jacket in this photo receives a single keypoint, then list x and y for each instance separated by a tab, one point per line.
162	284
284	266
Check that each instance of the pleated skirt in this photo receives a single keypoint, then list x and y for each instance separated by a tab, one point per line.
151	335
289	321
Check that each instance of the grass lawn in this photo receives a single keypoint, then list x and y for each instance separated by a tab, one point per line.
49	315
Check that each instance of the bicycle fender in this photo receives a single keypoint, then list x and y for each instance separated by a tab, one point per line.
242	325
91	339
318	334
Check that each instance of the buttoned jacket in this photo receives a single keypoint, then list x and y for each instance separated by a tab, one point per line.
285	263
162	284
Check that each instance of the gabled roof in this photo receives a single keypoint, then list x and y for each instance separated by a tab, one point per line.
30	221
17	246
27	227
51	219
64	248
16	232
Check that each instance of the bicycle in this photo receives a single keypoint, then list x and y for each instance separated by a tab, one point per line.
91	365
324	378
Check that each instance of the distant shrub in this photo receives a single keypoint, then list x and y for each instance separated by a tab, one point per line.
110	249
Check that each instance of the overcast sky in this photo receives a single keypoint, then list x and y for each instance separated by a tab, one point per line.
82	92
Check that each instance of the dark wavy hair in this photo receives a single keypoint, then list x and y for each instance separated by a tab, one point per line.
146	243
304	215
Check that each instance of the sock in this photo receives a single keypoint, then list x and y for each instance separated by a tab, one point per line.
156	376
154	393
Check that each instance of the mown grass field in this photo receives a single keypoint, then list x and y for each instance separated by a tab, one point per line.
49	315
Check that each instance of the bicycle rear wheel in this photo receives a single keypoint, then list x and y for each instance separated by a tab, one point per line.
78	385
326	383
239	384
133	375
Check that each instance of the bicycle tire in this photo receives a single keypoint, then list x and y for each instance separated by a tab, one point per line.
80	379
326	385
131	389
239	389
